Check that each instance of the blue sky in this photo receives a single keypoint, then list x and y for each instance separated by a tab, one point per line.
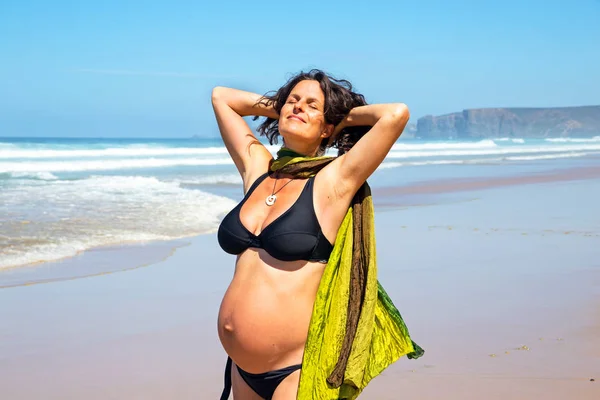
146	68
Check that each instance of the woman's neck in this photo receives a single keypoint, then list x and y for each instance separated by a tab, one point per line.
302	150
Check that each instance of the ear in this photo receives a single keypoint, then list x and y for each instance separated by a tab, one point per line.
328	131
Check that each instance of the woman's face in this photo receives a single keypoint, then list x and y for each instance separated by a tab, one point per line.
302	119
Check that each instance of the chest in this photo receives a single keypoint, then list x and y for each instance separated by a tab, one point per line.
291	207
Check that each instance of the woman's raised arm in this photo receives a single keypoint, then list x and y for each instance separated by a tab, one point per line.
248	154
388	122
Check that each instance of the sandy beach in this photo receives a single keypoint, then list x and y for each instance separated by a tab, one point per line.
499	282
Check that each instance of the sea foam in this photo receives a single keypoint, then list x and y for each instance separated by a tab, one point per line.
62	218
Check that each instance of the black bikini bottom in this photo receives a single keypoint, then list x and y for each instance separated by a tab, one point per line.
263	384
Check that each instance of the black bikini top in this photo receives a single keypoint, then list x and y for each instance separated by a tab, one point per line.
294	235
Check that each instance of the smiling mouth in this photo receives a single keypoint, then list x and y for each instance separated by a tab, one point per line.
296	117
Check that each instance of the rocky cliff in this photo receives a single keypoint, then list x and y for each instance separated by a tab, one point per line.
512	122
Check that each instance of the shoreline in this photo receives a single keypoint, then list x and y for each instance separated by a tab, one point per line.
70	268
472	184
417	194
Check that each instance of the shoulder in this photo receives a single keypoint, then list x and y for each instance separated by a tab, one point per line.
330	184
254	179
332	195
331	198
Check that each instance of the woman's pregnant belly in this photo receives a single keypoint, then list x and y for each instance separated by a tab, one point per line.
265	313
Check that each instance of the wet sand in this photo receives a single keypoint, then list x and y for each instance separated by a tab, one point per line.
501	287
470	184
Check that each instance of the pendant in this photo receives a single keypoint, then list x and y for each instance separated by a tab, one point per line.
271	200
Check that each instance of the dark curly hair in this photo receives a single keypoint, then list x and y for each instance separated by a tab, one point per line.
339	100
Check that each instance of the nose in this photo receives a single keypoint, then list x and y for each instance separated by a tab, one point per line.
298	106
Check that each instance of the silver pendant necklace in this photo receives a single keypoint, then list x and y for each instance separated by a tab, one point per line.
272	198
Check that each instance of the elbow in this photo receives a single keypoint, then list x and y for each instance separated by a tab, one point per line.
400	113
217	93
399	117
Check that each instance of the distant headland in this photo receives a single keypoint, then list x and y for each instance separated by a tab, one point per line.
581	121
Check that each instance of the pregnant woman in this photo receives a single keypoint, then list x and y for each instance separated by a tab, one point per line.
304	316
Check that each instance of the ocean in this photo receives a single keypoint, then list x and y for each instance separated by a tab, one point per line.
62	196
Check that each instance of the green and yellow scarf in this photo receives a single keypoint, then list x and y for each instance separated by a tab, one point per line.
355	330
